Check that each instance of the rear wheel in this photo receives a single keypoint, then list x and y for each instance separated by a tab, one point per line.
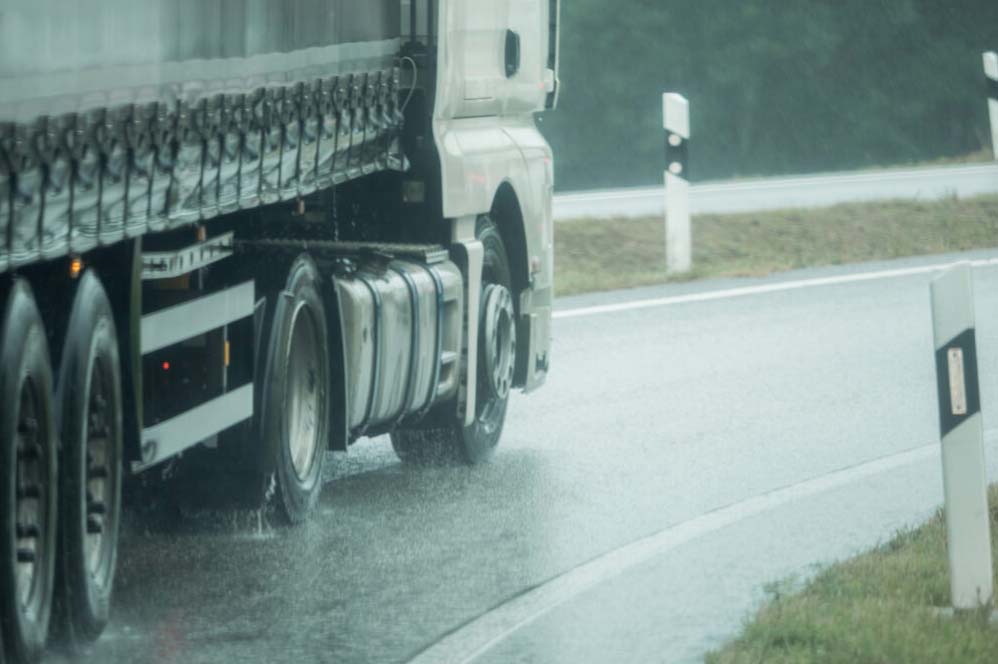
89	417
453	442
28	491
293	422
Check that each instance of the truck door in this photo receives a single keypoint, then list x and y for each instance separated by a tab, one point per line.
496	57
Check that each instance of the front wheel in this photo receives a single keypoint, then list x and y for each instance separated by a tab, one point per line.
453	442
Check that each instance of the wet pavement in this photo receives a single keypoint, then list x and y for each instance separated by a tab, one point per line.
680	460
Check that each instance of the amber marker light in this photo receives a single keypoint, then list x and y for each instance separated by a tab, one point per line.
75	267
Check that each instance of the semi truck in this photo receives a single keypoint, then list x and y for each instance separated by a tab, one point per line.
246	232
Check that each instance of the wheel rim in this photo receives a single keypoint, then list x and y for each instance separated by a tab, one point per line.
498	339
491	407
101	468
305	392
31	499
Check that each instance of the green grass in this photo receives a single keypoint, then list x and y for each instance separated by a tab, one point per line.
983	155
874	608
594	255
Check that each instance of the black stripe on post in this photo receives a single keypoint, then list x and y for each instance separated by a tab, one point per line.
677	152
993	89
966	344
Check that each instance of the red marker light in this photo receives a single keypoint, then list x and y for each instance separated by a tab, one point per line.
166	366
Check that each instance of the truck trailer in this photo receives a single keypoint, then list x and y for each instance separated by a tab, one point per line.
235	234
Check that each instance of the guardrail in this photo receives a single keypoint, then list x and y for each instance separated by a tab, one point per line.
803	191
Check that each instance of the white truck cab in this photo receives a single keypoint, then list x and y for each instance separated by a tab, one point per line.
497	67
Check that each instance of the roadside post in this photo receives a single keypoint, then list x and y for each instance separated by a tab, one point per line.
968	534
991	72
678	242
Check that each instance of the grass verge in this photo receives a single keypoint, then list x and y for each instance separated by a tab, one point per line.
594	255
873	608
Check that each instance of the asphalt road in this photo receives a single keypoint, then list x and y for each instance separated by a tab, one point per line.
685	453
780	193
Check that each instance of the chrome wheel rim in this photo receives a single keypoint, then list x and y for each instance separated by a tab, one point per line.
498	339
305	392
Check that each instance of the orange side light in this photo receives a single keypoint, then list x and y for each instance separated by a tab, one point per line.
75	267
226	352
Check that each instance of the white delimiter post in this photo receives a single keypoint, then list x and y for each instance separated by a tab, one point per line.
991	71
678	243
968	533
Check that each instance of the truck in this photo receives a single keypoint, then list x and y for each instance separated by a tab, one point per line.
236	234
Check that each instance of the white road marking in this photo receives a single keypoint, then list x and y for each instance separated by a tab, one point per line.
764	288
477	637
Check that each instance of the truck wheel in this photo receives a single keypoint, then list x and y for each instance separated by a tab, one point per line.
476	443
293	425
28	491
89	413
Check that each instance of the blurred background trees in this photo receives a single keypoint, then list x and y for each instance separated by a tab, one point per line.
775	86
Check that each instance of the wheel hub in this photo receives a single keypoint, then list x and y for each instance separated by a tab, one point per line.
498	339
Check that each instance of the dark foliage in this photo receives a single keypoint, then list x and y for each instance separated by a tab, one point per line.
775	86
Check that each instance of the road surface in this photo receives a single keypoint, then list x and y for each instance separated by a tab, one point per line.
801	191
694	443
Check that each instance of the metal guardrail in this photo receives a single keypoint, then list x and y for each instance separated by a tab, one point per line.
801	191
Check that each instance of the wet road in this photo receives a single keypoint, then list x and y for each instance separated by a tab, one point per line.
682	457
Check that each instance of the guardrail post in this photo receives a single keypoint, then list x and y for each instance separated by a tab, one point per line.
991	72
968	533
678	242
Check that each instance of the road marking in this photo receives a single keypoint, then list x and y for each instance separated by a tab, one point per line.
746	291
476	637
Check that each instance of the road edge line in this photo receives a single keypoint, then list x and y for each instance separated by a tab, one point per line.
745	291
479	635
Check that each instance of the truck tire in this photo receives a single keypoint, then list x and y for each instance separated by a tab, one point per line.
293	425
28	489
88	415
453	442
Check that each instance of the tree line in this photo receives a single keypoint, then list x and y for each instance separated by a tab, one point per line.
775	86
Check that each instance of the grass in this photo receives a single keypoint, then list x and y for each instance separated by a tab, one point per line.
595	255
983	155
874	608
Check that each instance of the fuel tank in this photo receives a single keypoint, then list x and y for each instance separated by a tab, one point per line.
402	324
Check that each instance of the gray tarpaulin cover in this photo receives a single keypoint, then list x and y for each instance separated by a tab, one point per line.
120	117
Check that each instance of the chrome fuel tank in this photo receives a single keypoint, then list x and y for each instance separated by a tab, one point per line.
402	325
